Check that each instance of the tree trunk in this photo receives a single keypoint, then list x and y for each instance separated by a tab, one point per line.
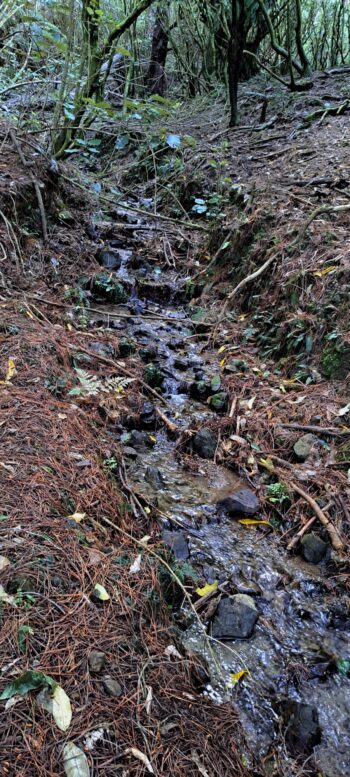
156	81
298	37
235	54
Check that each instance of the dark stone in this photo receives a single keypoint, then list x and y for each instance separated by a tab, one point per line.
313	548
200	389
126	347
303	731
148	416
139	440
235	365
109	259
153	376
235	618
181	364
302	447
148	354
112	687
154	477
177	541
204	443
97	661
129	452
242	502
219	401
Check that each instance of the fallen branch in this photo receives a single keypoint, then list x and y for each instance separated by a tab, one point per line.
244	282
336	541
173	428
318	212
328	431
294	541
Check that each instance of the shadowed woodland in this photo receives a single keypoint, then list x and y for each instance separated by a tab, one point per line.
174	388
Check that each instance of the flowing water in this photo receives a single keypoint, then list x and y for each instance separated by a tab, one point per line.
302	631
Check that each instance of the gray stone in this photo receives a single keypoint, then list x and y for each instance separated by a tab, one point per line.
302	447
241	502
154	477
313	548
112	686
303	731
129	452
204	443
180	364
177	541
235	618
109	259
97	661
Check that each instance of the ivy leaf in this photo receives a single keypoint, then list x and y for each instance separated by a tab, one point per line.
28	681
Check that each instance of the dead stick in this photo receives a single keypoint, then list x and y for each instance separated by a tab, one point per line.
294	541
166	421
334	536
329	431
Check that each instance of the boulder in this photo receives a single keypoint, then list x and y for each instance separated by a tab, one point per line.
302	447
313	548
241	502
204	443
235	618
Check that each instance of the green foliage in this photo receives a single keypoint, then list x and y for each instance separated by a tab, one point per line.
277	493
28	681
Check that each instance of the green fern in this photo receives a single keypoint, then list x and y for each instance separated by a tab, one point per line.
91	385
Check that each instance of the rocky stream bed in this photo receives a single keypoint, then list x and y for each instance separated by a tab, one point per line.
269	614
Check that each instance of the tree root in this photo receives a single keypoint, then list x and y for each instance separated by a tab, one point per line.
336	541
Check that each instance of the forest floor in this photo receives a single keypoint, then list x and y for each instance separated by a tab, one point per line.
110	375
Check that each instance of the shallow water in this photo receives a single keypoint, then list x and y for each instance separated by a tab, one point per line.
298	637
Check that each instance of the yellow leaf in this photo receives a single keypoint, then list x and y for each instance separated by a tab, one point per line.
254	522
222	362
69	327
29	314
236	677
10	370
207	589
100	593
152	438
222	348
77	517
325	271
242	317
268	464
147	510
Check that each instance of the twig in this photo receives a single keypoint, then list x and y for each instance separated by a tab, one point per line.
328	431
334	536
322	209
173	428
294	541
244	282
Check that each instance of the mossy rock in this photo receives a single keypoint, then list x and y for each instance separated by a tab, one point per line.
126	347
335	360
104	287
153	376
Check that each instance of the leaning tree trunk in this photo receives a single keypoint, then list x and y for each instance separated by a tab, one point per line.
299	41
155	79
235	54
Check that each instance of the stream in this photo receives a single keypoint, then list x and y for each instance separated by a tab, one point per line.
292	692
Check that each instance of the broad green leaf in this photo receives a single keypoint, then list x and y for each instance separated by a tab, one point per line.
207	589
75	761
58	704
28	681
343	666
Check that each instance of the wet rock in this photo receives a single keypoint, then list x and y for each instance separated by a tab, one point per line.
154	477
235	618
153	376
313	548
204	443
303	731
148	354
219	401
138	440
97	661
241	502
105	287
302	447
177	542
181	364
112	687
235	365
148	417
200	389
109	259
129	452
126	347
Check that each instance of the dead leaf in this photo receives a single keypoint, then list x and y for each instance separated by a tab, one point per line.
141	757
4	562
254	522
236	677
171	652
136	565
207	589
